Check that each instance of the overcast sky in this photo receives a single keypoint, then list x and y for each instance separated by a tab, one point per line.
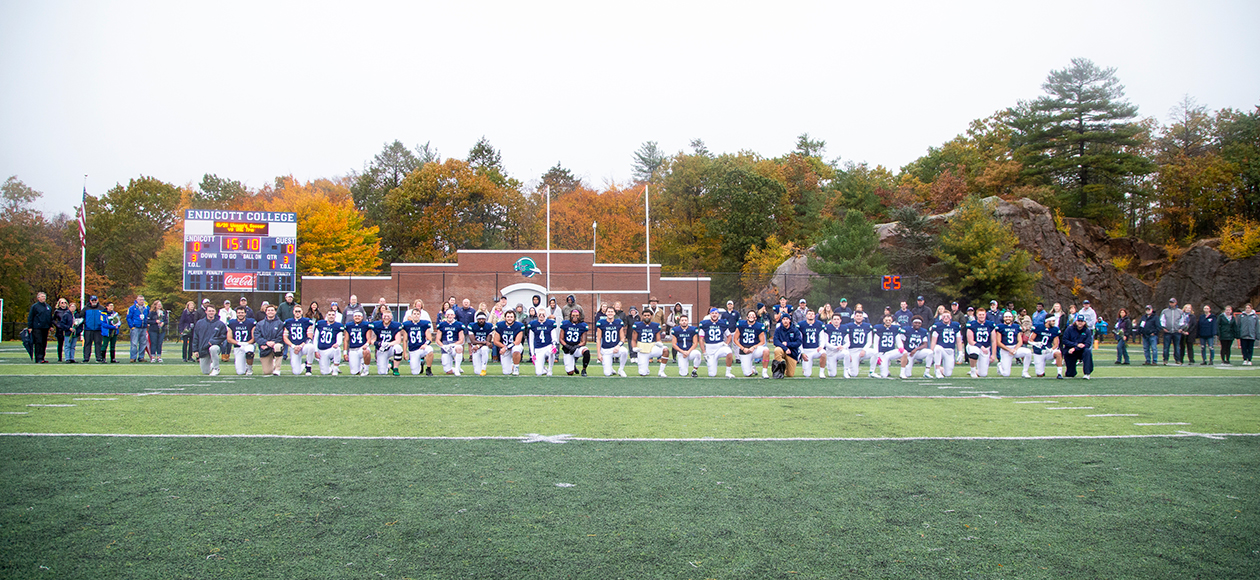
252	90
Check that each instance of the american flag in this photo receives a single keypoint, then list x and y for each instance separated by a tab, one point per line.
83	220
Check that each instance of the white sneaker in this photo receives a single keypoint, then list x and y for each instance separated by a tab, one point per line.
927	374
249	372
516	371
622	373
873	375
336	371
548	371
903	375
973	374
662	374
729	374
1087	377
939	375
846	375
365	371
1027	376
275	373
214	373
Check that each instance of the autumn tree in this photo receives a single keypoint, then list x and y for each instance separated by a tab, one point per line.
1078	138
980	260
216	192
332	236
560	181
443	208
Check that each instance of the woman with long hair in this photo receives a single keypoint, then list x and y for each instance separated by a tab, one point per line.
159	320
1123	327
313	312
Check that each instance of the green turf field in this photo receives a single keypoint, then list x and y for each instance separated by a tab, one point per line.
154	471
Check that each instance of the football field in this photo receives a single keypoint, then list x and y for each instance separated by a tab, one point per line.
155	471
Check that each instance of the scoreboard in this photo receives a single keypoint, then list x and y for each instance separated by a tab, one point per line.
239	251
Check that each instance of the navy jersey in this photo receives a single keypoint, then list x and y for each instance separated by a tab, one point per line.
646	331
886	337
835	335
450	332
1043	338
748	333
480	331
507	332
684	338
713	332
296	329
542	332
1008	334
356	334
946	334
609	332
571	332
385	334
859	334
811	334
417	334
916	338
326	334
982	331
902	318
242	331
780	311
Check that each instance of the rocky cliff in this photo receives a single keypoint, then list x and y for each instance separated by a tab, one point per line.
1079	261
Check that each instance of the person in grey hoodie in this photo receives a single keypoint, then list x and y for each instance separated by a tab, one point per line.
1170	324
209	335
1248	329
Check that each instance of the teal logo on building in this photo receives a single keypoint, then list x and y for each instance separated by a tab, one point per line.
527	267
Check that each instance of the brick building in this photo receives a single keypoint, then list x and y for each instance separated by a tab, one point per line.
484	275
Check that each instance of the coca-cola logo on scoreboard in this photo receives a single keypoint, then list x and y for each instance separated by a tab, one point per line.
239	281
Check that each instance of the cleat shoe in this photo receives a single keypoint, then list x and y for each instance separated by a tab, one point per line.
428	371
939	375
583	372
1087	377
394	371
516	371
621	373
694	374
927	374
873	375
336	371
214	373
973	374
1060	377
764	374
483	372
729	374
249	372
1027	376
276	372
662	374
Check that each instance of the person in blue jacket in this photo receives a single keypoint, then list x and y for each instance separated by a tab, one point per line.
1077	344
138	322
787	345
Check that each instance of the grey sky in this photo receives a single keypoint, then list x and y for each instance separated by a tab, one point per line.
252	90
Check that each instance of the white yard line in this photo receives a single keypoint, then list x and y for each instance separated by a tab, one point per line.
634	439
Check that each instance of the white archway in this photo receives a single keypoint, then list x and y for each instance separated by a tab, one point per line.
523	294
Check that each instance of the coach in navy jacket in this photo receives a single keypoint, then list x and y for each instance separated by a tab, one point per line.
1077	345
787	344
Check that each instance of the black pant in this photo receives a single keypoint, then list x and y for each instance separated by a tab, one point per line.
1247	346
111	341
93	342
39	343
61	343
1086	356
188	348
1225	344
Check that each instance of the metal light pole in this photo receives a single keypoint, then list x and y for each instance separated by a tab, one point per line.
594	240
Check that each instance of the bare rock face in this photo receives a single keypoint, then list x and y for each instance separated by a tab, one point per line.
1080	261
1203	275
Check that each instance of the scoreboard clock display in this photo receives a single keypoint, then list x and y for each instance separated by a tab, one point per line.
892	282
239	251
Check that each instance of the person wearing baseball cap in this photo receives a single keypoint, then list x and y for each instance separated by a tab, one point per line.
284	310
1148	328
922	310
1077	345
846	313
1171	322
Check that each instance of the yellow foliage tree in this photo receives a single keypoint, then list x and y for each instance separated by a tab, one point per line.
331	234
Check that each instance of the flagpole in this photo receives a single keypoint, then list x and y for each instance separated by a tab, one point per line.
547	192
647	237
83	246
